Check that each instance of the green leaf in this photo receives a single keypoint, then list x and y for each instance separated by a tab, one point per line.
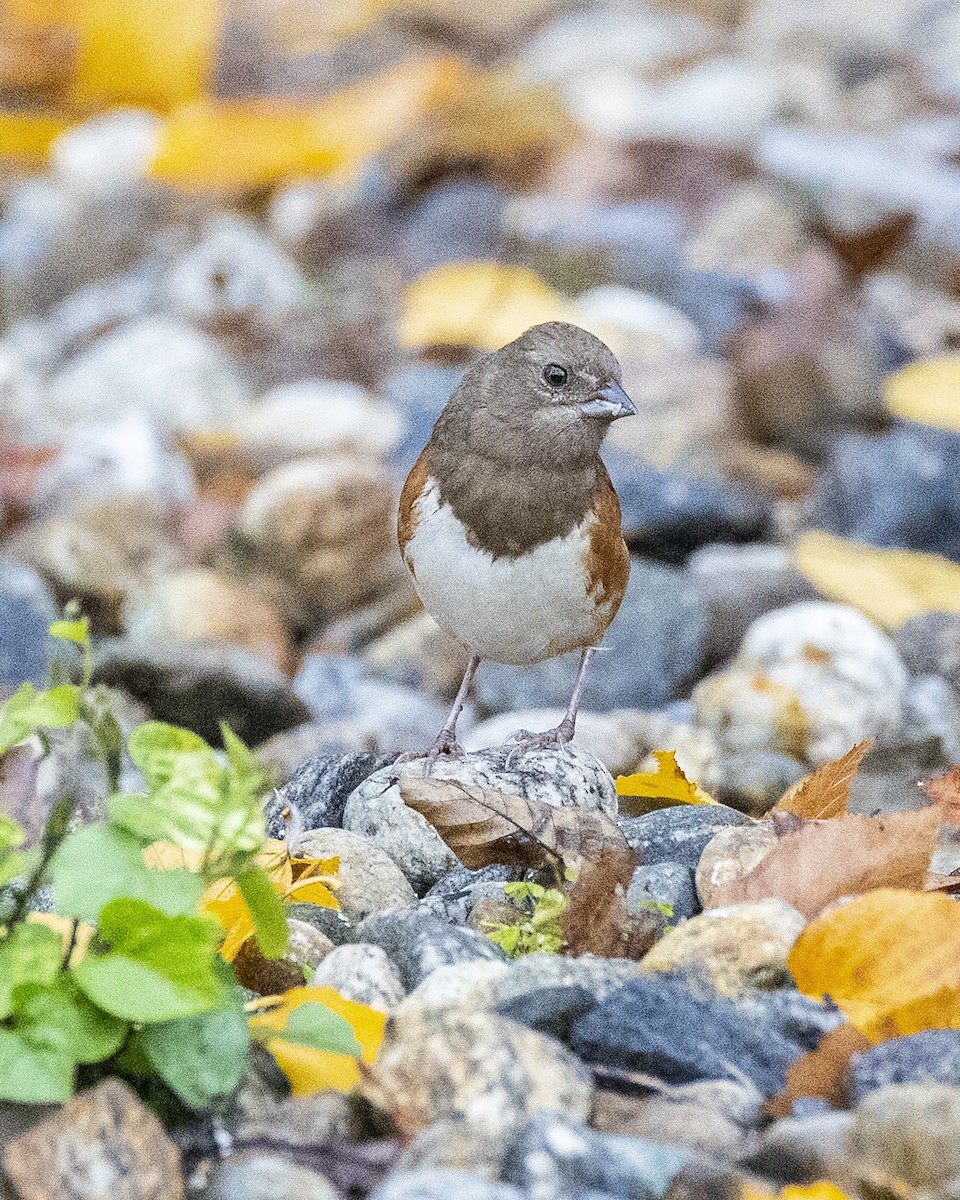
200	1057
98	864
11	835
28	710
147	966
33	1074
13	866
266	909
60	1017
30	953
72	631
313	1024
157	749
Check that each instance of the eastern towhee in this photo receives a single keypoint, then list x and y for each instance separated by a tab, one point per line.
508	521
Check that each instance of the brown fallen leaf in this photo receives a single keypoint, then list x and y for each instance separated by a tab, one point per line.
821	1074
824	794
889	960
482	826
825	860
596	920
944	791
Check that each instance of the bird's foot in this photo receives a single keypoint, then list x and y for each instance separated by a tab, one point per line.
551	739
445	746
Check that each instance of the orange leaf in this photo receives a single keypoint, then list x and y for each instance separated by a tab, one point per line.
890	960
824	860
821	1074
944	790
825	793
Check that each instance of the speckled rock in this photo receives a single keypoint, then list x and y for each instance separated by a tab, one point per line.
466	985
257	1176
535	973
173	374
829	679
328	523
319	788
731	854
417	942
803	1148
454	895
735	949
932	1056
678	834
361	973
369	880
666	889
908	1131
445	1062
568	778
453	1143
439	1183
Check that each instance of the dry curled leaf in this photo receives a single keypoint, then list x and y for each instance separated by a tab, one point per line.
944	791
821	1074
596	920
482	826
889	960
667	785
825	860
825	793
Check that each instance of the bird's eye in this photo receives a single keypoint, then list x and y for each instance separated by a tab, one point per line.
554	374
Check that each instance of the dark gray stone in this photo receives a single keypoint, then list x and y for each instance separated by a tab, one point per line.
653	650
752	781
666	885
457	219
439	1183
27	609
419	391
200	684
417	942
929	644
550	1010
657	1026
452	897
796	1017
801	1149
554	1157
319	789
678	834
932	1056
328	920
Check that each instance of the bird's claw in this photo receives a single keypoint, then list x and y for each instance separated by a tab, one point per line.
524	740
445	746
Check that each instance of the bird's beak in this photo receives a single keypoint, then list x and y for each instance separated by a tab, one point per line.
612	402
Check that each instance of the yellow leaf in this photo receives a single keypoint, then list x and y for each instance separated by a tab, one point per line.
312	891
886	585
28	135
252	144
889	959
818	1190
483	304
314	868
310	1070
662	788
927	391
155	53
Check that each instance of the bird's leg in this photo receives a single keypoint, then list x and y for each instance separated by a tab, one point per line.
446	745
551	739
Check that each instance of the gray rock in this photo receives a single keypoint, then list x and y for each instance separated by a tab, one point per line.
553	1158
440	1183
678	834
255	1176
657	1026
567	778
26	611
599	977
730	855
796	1017
453	1143
417	942
361	973
457	219
654	648
802	1149
752	781
453	896
370	880
468	984
931	719
447	1062
908	1131
666	889
329	921
200	684
929	644
319	789
741	583
932	1056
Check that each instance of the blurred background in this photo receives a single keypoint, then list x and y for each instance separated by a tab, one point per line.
247	248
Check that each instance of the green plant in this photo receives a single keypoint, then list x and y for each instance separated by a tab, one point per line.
125	978
538	923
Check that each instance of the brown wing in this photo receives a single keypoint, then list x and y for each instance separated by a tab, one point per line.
406	517
608	561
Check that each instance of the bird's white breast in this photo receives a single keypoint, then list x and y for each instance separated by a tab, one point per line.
512	610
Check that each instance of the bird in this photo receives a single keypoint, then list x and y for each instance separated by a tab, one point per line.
508	521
